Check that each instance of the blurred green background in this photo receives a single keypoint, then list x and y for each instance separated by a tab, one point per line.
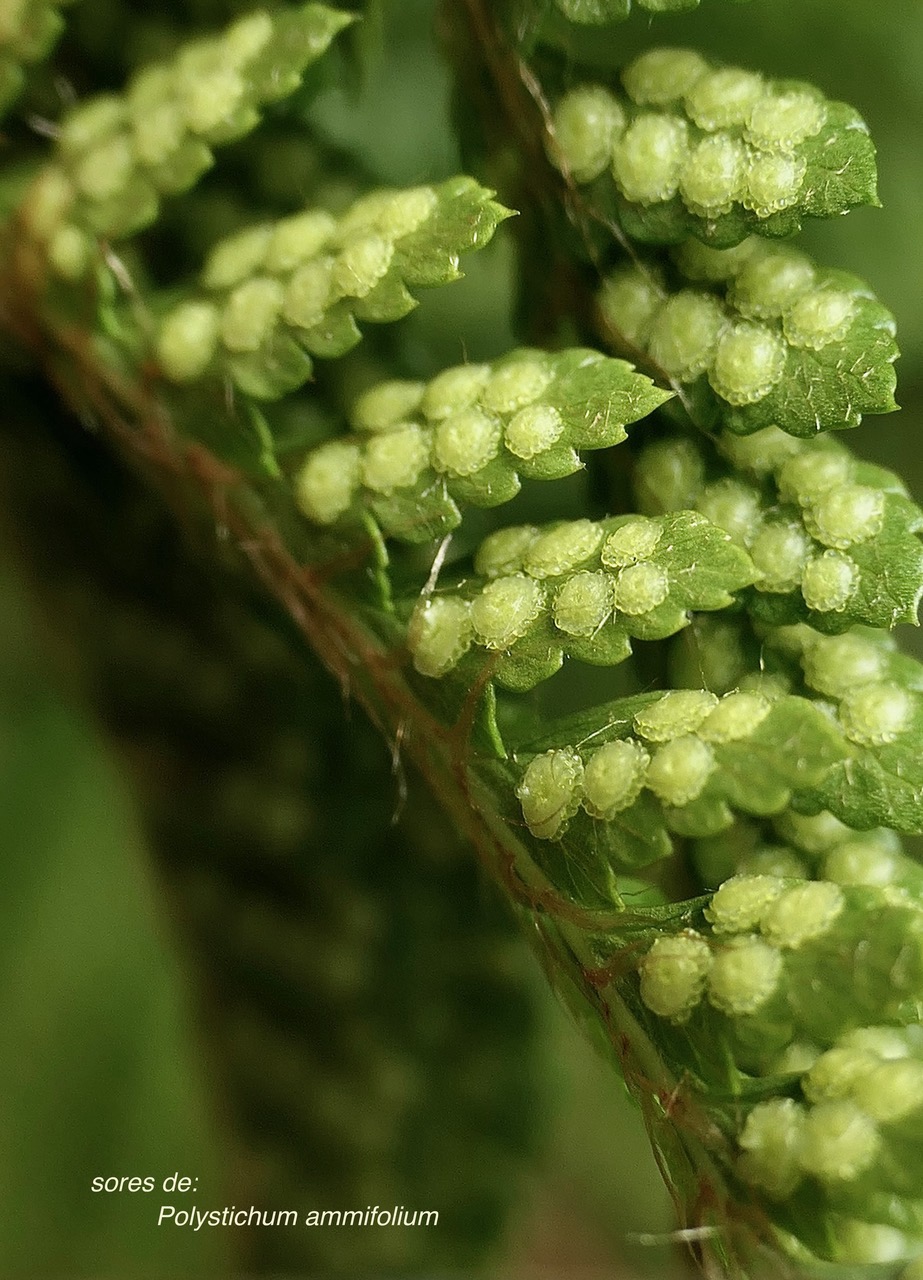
102	1064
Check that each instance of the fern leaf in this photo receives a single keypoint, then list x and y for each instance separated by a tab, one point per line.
118	155
578	588
834	541
780	342
275	295
719	153
808	1070
713	872
468	436
702	758
875	694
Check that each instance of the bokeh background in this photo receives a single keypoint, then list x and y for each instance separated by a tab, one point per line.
107	1065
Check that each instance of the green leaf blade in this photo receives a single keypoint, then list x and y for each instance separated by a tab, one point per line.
678	155
579	589
475	429
157	136
305	280
817	359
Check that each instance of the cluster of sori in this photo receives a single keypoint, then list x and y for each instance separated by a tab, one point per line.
694	752
28	30
470	434
776	338
711	151
275	294
876	701
817	523
870	694
802	846
600	12
577	587
760	989
118	154
875	695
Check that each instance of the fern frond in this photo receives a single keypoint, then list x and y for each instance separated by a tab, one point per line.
702	757
778	342
710	867
719	153
119	154
469	435
275	295
834	541
810	1073
578	588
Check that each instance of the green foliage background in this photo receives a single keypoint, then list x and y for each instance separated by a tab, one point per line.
103	1068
